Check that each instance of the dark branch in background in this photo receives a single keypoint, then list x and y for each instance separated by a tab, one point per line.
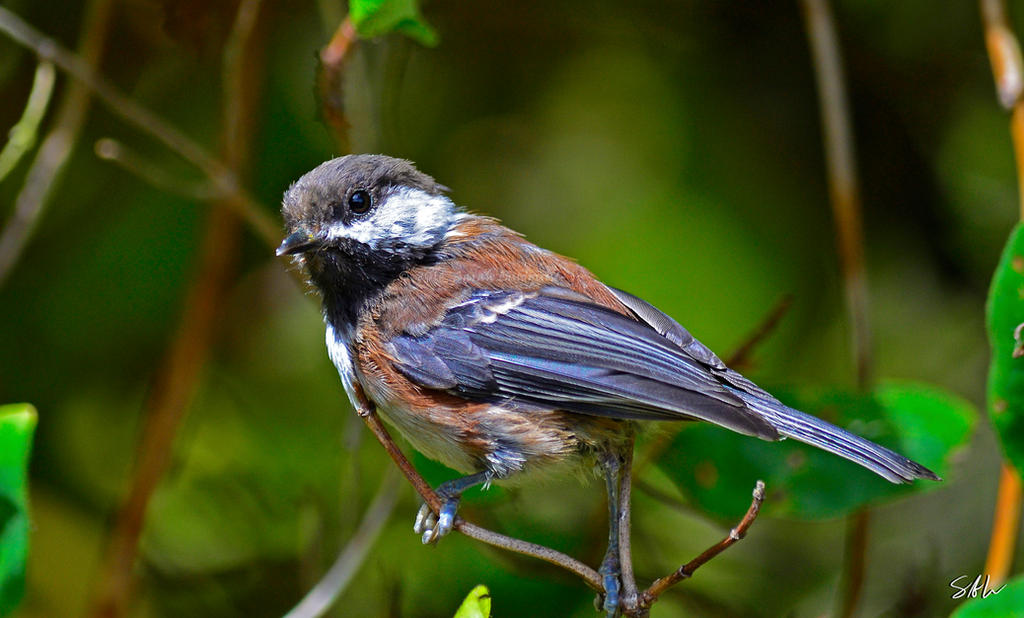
83	72
842	176
844	192
1008	71
740	358
177	379
650	596
330	81
44	173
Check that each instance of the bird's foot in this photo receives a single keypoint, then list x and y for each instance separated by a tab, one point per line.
431	526
610	572
434	526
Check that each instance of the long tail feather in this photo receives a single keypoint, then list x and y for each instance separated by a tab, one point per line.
816	432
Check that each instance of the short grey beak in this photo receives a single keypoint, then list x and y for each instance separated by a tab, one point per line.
299	241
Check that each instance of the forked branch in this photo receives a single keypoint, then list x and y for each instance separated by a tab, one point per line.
649	596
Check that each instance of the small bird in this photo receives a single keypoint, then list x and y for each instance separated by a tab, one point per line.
497	357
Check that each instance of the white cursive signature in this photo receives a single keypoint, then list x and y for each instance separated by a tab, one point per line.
973	590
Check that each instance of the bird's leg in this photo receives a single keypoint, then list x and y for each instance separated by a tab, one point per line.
610	567
432	526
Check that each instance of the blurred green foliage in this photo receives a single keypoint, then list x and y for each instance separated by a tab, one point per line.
379	17
1006	373
919	421
671	147
17	424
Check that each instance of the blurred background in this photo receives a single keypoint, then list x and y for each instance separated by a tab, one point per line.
673	148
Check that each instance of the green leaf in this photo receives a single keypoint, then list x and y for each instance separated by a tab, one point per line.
378	17
17	423
716	468
476	605
1007	602
1005	313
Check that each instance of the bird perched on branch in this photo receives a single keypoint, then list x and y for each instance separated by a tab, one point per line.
497	357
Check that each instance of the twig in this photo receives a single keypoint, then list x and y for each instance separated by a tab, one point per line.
366	410
22	136
845	198
43	175
1008	70
1003	53
318	600
132	162
629	592
144	120
649	596
330	81
740	357
842	175
175	382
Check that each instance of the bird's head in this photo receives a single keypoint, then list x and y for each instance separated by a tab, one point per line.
360	219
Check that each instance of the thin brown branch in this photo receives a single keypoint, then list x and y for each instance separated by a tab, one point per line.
844	192
842	175
144	120
628	594
318	600
1003	52
855	560
740	357
330	81
1008	70
44	174
649	596
366	410
177	379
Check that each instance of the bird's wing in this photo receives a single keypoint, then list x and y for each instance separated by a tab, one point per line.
555	349
674	332
787	421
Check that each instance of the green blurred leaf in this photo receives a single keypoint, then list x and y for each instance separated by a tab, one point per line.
716	468
17	423
378	17
477	604
1005	313
1007	602
932	422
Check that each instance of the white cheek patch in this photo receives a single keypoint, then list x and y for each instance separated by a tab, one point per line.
408	216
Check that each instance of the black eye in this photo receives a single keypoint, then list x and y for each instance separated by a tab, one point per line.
359	202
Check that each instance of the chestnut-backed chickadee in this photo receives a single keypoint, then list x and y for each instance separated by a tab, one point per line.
497	357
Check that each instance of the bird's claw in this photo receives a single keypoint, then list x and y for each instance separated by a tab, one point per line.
432	526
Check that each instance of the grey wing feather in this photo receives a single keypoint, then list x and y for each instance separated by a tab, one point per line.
789	422
556	349
553	351
673	331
